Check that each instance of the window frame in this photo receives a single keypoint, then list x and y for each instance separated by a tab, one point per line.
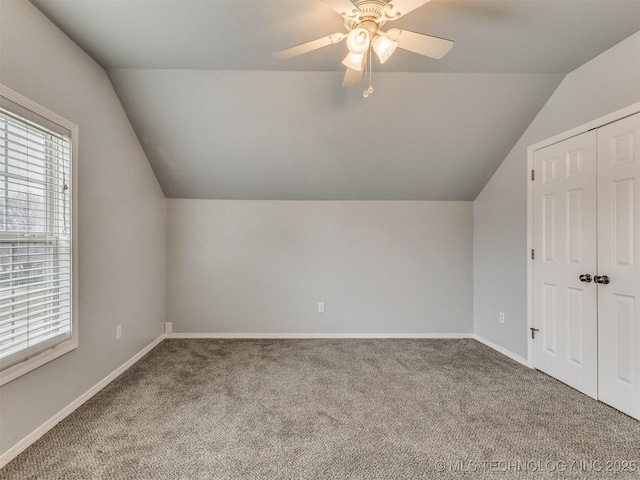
36	112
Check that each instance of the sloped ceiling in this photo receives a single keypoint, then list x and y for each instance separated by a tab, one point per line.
220	118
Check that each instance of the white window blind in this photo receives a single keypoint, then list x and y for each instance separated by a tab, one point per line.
35	237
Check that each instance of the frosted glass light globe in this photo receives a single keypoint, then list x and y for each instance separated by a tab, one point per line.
358	40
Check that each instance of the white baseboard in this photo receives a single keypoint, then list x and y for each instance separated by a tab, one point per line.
503	351
318	335
21	446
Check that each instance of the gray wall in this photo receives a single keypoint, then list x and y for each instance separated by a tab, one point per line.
121	220
262	266
608	83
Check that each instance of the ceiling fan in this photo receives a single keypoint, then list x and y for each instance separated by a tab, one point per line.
364	20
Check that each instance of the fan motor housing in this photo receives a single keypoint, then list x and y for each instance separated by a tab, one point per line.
369	17
379	3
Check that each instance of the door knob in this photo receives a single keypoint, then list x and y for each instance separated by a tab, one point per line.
585	278
601	279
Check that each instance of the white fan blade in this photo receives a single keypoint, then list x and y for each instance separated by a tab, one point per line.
309	46
399	8
341	6
427	45
352	78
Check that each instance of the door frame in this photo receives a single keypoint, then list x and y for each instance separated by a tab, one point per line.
531	149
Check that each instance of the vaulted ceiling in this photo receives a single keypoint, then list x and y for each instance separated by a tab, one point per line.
220	118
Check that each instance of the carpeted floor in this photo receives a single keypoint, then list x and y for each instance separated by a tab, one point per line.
334	409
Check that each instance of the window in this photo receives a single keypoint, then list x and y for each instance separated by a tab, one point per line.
36	236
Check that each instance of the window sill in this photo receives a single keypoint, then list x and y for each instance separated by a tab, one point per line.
19	369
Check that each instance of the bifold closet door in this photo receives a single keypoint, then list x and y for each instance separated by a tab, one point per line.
619	259
564	304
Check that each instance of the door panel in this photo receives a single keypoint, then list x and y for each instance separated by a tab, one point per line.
618	258
549	227
550	306
574	227
564	308
576	325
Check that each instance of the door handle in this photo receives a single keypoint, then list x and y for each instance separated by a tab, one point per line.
586	278
603	279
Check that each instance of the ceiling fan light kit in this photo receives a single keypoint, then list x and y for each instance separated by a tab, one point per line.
358	40
384	47
364	20
354	61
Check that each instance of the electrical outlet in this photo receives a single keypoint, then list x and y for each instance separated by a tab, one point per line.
168	327
502	317
118	332
320	307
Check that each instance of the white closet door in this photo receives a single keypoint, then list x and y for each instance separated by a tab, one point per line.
564	307
619	259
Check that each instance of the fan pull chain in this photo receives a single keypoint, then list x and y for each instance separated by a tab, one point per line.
369	90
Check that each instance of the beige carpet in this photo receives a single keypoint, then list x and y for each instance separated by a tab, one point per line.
339	409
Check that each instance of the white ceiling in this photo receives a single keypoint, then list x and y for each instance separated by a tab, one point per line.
220	118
